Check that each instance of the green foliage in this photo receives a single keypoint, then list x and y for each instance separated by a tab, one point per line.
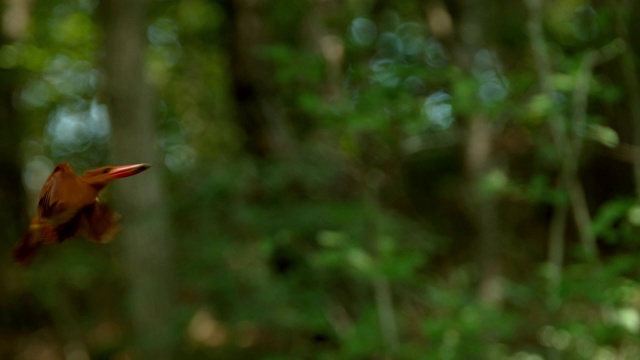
611	223
359	238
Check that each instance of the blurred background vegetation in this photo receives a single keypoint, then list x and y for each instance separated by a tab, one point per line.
360	179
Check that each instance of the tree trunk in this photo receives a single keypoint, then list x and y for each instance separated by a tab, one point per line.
480	160
12	207
145	239
630	70
259	110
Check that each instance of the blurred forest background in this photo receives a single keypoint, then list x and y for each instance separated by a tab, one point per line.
358	179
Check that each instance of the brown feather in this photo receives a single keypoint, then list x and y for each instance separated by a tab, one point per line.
68	206
99	223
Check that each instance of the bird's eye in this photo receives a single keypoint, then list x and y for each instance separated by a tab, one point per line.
105	171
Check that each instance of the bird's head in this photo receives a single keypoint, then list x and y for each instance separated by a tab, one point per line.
100	177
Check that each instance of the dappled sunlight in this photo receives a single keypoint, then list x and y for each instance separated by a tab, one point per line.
363	31
204	330
36	172
438	110
74	128
494	86
327	180
180	158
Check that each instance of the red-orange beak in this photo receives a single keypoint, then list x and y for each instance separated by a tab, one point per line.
127	170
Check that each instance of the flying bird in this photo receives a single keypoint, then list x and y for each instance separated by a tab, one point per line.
69	206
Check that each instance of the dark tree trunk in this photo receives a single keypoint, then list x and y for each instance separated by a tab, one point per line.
259	109
13	213
145	236
12	207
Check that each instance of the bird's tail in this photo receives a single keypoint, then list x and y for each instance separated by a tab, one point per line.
40	232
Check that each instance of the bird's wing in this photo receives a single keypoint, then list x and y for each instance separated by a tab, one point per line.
47	200
98	223
63	196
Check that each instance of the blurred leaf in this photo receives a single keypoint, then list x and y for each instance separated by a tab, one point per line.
562	82
633	215
540	106
464	95
332	239
199	15
604	135
495	180
604	222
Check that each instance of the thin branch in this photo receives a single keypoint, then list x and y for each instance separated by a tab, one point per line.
568	145
386	312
